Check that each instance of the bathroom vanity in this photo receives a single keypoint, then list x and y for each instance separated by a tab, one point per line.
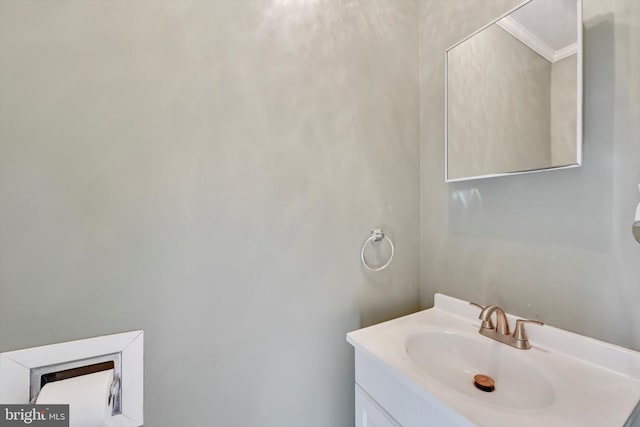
419	370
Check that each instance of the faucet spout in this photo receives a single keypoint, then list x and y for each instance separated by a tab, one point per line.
502	324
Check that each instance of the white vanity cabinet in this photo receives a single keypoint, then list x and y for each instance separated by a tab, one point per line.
385	399
369	413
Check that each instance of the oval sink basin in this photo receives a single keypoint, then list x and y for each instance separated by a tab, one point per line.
453	359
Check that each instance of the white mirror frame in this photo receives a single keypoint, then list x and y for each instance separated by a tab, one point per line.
580	66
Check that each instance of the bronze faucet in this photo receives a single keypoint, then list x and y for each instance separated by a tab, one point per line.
500	332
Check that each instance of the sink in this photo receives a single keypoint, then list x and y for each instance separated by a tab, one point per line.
419	369
453	358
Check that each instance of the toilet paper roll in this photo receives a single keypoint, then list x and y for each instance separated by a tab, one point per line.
87	396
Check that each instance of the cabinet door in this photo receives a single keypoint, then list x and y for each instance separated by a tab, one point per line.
369	413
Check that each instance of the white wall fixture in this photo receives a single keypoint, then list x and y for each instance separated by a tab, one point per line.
21	371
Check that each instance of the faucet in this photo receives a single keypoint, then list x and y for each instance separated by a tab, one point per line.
500	332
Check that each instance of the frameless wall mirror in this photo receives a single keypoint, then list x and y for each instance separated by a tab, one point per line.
513	93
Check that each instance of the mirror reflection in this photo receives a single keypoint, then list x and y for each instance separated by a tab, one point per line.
513	93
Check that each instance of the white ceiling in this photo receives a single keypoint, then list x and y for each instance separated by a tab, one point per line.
553	21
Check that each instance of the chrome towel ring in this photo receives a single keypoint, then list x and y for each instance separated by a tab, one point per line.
377	235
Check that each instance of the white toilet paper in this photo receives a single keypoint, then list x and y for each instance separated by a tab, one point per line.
87	396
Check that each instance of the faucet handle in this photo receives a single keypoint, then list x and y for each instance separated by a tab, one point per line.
520	335
486	324
481	307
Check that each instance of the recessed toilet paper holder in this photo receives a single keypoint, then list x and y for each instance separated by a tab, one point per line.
42	375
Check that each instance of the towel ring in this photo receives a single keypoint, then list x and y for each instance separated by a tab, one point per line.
377	235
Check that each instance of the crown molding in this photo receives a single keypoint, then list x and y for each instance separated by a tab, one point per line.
514	28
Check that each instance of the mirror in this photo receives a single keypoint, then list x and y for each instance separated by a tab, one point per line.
513	93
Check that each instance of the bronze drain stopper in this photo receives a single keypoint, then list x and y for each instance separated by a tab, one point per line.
484	383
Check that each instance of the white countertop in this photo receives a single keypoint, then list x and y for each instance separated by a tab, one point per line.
594	383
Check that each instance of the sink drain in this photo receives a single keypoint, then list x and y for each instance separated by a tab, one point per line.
484	383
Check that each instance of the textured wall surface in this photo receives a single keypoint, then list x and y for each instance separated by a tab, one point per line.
564	89
499	101
207	171
555	246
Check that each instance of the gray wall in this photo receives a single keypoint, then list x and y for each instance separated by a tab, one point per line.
499	99
207	171
555	246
